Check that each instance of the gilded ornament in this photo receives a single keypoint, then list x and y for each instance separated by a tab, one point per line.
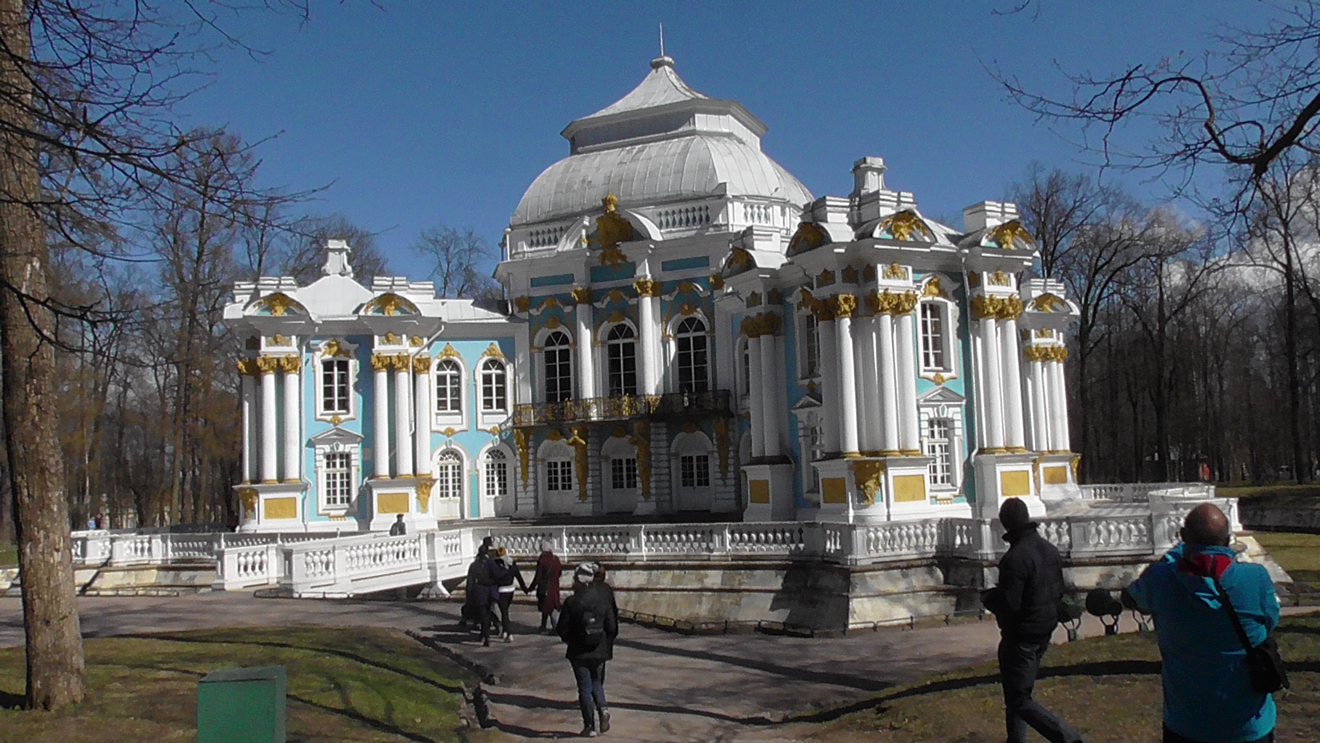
1044	333
448	352
421	364
549	302
579	444
248	497
552	323
554	435
825	278
522	303
278	303
894	272
903	224
290	364
933	289
613	256
449	432
1046	303
890	303
416	342
868	273
334	348
741	259
253	343
520	440
1073	464
716	281
687	308
690	427
641	439
809	236
389	304
424	494
939	378
721	427
999	278
869	477
843	305
645	287
753	300
246	367
611	228
268	364
614	316
279	340
973	279
381	361
1006	233
336	420
1033	353
492	351
849	275
390	339
619	432
581	295
775	297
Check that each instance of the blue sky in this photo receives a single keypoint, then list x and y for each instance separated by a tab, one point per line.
426	113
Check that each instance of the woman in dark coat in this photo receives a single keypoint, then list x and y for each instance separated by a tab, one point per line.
546	585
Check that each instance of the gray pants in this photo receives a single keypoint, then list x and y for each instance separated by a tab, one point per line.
1019	660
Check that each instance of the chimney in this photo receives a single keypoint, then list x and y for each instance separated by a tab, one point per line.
868	176
336	258
988	214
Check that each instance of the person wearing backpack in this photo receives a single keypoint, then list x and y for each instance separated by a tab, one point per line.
1208	608
588	624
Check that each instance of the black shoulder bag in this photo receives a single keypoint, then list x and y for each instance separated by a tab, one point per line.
1264	665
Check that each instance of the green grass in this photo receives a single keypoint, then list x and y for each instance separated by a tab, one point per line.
343	685
1276	494
8	554
1108	688
1300	552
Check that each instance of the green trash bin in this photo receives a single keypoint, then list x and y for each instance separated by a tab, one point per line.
241	705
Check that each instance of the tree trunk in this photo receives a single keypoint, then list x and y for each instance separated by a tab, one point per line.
55	673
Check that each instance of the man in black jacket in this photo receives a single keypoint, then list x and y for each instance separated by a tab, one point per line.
588	624
1026	606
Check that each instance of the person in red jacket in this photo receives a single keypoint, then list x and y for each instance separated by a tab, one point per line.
546	584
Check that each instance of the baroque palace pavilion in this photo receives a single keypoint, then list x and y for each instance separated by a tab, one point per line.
688	330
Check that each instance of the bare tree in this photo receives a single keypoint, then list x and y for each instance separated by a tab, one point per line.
1055	206
457	259
305	255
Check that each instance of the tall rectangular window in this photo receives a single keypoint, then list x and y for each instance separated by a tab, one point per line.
334	387
939	449
494	395
497	474
623	473
448	387
338	479
810	347
932	336
558	475
694	470
558	368
693	357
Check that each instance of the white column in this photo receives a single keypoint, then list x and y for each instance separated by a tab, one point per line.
403	445
249	416
292	419
380	390
909	425
844	306
585	343
869	433
1011	369
648	317
267	365
889	442
1039	397
829	384
769	394
991	386
726	367
755	395
1059	405
422	414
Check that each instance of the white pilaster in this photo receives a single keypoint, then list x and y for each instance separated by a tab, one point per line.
267	365
292	419
403	445
249	419
380	390
422	415
889	441
769	395
869	434
991	385
1011	366
829	384
1059	407
905	357
847	380
755	396
585	338
1039	399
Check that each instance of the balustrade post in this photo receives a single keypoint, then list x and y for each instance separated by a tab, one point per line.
641	541
725	541
985	540
563	540
855	544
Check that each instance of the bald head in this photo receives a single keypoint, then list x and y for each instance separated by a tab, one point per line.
1206	525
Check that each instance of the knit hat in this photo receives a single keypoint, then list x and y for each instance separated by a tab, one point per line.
585	572
1013	514
547	546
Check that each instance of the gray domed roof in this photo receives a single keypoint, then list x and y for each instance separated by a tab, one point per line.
663	142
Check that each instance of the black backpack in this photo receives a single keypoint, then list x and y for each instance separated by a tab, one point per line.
592	630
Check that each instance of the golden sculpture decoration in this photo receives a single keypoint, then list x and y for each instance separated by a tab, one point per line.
581	295
389	304
416	341
1074	464
612	229
268	364
892	303
278	303
741	259
615	316
1044	333
825	278
520	440
687	309
613	256
448	352
902	225
716	281
645	287
248	497
522	304
336	420
939	378
641	439
894	272
1001	308
493	351
424	486
973	279
1046	303
579	443
279	340
999	278
933	289
753	300
823	311
1056	353
1033	353
390	339
809	236
246	367
290	364
421	364
721	427
1005	234
843	305
381	362
869	477
759	325
552	323
334	348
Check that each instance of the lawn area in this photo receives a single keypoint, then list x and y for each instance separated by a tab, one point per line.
1277	494
1108	688
1300	552
8	554
343	685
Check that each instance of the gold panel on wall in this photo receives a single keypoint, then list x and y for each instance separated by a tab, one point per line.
760	491
392	503
281	508
1014	484
834	490
909	488
1055	475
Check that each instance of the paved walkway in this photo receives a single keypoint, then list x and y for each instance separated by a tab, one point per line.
662	686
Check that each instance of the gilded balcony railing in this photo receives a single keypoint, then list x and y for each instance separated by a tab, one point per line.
673	405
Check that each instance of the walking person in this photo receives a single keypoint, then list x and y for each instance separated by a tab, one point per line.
506	574
398	528
588	624
1193	592
1026	606
546	584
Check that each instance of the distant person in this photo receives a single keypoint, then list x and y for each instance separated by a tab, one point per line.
506	574
545	582
100	521
1026	606
588	624
398	528
1208	696
476	606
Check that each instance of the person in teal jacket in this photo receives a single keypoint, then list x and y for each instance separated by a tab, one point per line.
1207	694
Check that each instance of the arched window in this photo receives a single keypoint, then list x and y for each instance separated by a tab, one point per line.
494	391
448	387
621	356
693	356
449	475
558	368
497	474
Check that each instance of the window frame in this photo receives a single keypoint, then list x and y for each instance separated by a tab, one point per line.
489	460
449	420
808	341
698	470
624	346
336	441
564	367
691	336
947	315
448	459
497	370
319	358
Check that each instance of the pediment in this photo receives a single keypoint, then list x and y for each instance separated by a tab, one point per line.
809	401
336	435
276	304
389	304
941	395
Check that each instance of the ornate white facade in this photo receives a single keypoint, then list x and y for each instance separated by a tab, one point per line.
689	331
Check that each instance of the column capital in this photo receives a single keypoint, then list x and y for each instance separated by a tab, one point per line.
267	364
1034	353
843	305
582	295
381	361
645	287
421	364
997	308
890	303
247	367
290	364
759	325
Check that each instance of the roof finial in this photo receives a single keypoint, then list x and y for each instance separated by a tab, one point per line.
662	38
662	60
